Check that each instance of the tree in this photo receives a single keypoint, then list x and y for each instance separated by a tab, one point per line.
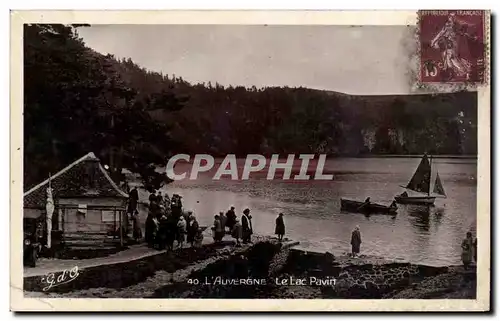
76	101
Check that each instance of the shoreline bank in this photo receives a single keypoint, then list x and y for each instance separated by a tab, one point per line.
171	275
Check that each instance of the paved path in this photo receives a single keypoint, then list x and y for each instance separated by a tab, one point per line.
134	252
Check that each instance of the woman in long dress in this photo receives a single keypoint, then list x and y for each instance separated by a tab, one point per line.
356	241
280	227
467	248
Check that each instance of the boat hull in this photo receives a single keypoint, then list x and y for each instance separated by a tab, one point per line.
371	208
424	200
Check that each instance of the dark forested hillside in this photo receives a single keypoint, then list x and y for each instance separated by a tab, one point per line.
77	100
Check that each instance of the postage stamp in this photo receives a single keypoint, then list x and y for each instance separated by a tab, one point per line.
453	46
223	155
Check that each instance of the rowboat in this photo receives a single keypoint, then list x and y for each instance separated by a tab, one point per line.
421	184
367	207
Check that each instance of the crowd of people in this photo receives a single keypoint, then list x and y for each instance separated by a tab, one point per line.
167	224
229	223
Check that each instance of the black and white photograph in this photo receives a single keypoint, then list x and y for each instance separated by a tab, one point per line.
250	161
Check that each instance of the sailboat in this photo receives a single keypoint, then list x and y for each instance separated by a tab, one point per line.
421	183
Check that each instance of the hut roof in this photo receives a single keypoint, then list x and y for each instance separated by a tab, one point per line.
83	178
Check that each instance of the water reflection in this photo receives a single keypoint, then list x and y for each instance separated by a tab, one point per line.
421	216
438	215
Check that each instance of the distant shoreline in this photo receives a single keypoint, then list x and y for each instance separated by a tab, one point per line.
415	156
331	156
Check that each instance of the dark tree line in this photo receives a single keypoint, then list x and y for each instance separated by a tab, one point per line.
77	100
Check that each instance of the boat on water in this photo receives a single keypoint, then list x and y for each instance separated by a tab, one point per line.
420	183
367	207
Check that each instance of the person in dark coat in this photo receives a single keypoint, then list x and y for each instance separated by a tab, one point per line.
159	198
230	218
176	206
137	232
162	232
356	241
171	233
280	227
152	197
218	230
192	230
246	223
133	198
150	230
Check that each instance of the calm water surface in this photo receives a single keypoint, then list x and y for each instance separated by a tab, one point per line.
312	208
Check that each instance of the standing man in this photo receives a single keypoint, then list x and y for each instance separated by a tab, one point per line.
246	223
230	218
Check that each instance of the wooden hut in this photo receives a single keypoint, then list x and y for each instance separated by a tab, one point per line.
89	206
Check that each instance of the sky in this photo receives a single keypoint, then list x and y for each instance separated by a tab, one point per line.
367	60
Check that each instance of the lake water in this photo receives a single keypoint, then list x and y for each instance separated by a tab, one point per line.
312	208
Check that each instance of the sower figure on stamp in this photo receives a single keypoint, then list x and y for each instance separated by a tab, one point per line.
356	241
280	227
246	220
467	248
447	40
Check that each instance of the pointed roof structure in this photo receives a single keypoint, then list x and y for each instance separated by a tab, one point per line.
85	177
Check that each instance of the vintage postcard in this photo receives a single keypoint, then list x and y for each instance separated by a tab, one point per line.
250	160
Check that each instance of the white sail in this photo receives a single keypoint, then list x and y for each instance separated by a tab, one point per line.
436	187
